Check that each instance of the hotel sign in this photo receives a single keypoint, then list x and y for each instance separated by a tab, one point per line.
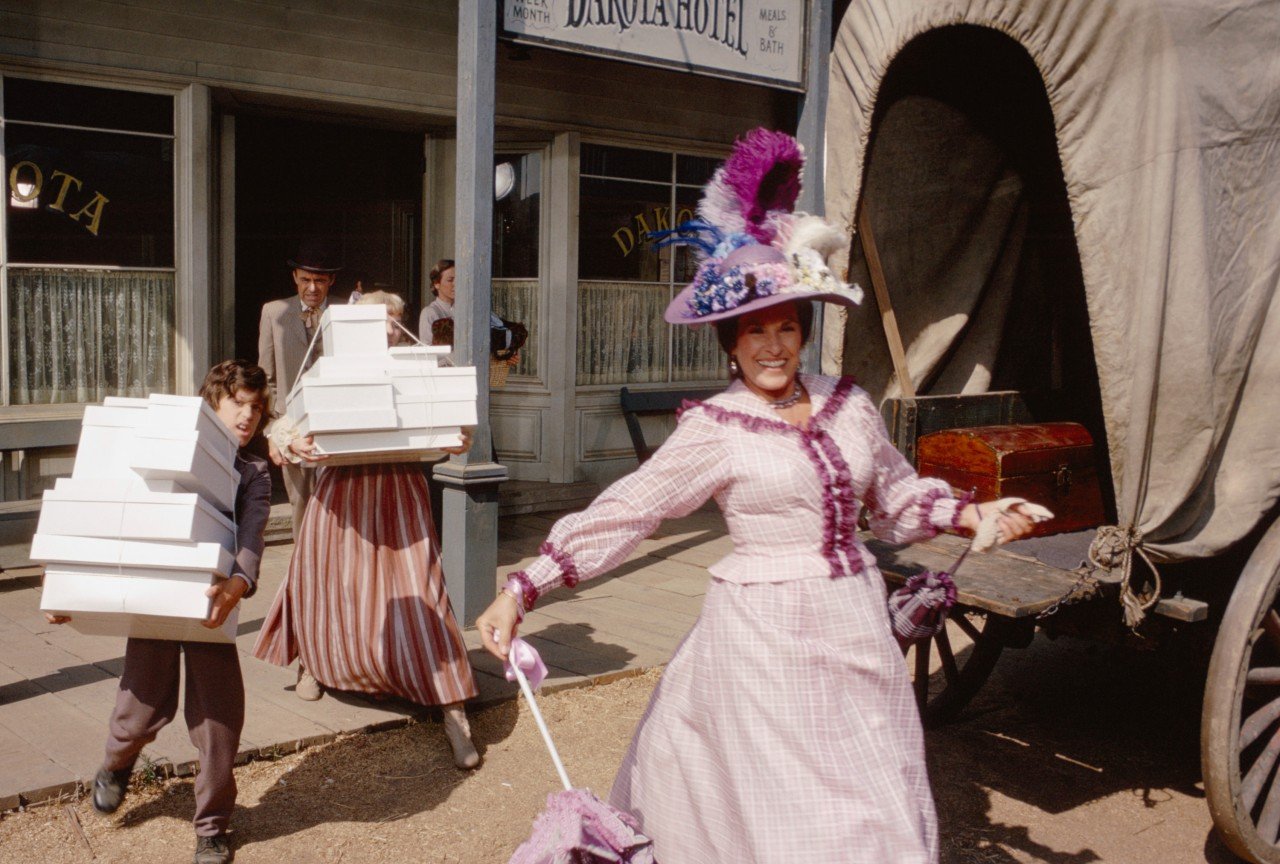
747	40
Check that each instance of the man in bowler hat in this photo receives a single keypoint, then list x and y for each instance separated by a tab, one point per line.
285	331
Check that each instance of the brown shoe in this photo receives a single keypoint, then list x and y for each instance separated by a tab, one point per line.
458	731
213	850
308	688
109	789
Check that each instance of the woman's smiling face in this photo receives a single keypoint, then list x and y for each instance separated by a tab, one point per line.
768	349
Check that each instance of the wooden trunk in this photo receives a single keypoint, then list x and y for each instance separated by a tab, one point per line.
909	419
1050	463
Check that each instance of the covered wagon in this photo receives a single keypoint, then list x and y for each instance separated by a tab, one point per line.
1071	212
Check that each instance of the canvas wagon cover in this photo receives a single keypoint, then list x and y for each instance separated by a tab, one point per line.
1167	117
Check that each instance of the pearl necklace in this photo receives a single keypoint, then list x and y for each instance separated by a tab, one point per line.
797	394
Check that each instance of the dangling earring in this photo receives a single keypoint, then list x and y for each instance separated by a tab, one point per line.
734	369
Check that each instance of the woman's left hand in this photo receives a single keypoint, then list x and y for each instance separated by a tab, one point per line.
1013	525
465	434
1006	520
306	450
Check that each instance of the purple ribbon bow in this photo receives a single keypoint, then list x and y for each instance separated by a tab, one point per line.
525	656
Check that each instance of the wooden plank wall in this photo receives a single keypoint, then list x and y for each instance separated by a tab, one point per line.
388	54
372	51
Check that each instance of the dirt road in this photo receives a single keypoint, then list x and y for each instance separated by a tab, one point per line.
1072	754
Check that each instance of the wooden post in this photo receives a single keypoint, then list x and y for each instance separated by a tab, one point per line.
810	132
887	319
469	545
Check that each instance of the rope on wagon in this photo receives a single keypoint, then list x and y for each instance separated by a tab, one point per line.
1114	547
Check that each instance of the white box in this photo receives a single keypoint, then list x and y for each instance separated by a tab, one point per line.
135	602
353	330
113	508
426	354
447	382
191	413
61	549
106	440
188	459
399	441
377	365
347	421
430	412
103	453
348	393
364	366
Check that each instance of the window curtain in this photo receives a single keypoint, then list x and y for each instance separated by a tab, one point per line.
83	335
696	354
517	300
622	338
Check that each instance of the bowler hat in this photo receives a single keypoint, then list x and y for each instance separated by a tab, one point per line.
317	257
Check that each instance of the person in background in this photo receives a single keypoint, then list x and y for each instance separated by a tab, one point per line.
214	705
442	286
285	331
360	284
364	606
503	341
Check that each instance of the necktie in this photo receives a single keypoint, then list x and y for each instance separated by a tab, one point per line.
311	320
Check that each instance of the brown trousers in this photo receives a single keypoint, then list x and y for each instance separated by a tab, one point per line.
299	484
214	709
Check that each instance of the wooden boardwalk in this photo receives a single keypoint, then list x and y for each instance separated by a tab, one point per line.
57	687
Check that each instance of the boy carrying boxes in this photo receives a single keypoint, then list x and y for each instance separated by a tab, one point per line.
214	706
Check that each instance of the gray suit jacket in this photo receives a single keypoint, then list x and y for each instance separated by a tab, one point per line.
253	507
282	345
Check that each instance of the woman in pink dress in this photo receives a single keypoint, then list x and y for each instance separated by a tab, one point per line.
784	728
363	607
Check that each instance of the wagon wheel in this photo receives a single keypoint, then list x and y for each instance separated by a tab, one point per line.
963	673
1240	727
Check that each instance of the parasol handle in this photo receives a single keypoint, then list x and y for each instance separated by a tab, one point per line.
542	724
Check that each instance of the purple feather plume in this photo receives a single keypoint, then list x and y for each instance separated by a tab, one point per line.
762	174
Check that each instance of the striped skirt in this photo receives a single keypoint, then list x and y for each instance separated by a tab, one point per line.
784	730
364	603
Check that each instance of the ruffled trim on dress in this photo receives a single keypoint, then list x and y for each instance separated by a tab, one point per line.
522	582
839	504
568	570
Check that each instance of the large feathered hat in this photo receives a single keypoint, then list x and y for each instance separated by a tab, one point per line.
755	252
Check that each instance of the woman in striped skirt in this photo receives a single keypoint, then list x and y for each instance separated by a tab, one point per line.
364	606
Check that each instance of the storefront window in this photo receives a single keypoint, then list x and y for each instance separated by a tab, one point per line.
624	281
89	245
516	223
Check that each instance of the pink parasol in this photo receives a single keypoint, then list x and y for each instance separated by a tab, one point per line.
576	827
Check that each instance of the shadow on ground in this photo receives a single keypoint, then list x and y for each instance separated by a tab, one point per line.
1060	725
329	784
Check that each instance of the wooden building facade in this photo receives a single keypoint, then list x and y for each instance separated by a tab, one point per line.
164	158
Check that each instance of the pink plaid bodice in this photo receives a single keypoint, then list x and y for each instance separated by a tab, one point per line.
790	497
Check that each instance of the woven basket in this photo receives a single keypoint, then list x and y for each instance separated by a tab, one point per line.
498	371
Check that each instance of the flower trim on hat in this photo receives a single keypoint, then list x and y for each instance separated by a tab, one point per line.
716	292
750	202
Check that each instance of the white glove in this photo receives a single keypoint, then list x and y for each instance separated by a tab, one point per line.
989	533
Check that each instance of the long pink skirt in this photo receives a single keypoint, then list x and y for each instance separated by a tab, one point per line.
784	730
364	603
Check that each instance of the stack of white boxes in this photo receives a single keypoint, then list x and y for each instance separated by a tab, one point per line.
134	538
364	402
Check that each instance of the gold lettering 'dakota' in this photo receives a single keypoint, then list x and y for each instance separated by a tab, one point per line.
93	209
625	237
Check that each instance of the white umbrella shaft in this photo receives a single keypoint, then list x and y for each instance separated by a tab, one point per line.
542	725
